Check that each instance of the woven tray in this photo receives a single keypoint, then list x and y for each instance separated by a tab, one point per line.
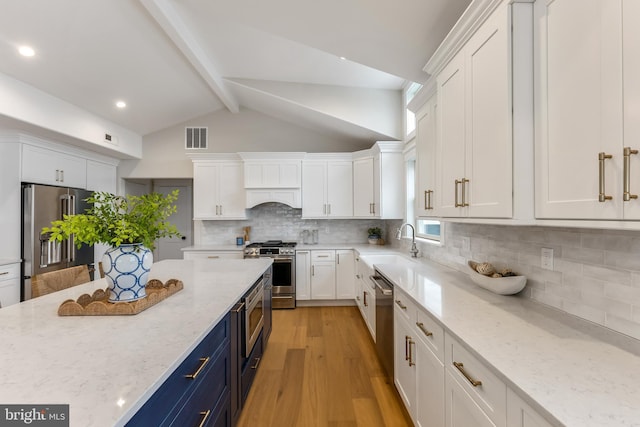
98	304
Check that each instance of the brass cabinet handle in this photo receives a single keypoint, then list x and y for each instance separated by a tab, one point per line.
365	298
406	347
322	256
460	368
373	208
423	329
238	307
205	417
456	204
427	199
257	359
313	271
402	306
602	197
213	256
626	195
302	252
411	362
204	361
220	209
464	192
4	273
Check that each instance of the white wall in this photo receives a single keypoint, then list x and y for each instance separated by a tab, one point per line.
377	109
24	103
163	152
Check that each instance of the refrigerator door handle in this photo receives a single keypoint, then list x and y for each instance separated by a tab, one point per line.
71	247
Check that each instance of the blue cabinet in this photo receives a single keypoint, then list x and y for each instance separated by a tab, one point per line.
198	391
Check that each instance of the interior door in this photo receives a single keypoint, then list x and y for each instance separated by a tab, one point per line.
171	248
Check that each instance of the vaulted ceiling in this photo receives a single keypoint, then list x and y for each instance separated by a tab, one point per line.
173	60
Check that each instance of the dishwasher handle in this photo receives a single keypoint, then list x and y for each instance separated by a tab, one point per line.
381	285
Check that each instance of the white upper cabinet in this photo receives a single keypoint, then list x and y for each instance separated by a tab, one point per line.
101	177
44	166
378	181
579	108
474	151
426	139
218	190
327	188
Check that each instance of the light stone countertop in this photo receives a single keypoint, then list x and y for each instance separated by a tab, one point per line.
580	373
106	367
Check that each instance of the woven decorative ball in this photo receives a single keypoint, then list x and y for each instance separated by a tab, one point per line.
485	268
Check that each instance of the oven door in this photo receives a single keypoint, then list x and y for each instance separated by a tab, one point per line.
254	316
284	276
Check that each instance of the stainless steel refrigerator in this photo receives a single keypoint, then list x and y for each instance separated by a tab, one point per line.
42	204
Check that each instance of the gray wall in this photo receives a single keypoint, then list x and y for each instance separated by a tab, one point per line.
596	273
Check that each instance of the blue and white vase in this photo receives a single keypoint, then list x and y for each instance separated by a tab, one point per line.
126	268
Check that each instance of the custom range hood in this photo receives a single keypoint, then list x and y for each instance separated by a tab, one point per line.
273	177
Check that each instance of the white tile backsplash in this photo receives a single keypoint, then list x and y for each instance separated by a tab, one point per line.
596	273
281	222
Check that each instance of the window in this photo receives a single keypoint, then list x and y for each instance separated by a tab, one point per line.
409	93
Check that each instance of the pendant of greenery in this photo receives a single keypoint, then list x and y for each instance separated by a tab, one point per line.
116	220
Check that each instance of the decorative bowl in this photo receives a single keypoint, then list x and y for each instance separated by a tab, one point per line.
499	285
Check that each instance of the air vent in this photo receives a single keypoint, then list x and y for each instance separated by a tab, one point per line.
195	138
110	138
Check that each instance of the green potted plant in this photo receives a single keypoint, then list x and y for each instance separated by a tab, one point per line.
130	225
375	234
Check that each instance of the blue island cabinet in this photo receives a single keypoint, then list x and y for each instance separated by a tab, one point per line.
198	392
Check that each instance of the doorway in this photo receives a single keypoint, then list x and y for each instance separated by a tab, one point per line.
170	248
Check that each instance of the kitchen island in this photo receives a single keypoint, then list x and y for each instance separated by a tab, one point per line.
106	367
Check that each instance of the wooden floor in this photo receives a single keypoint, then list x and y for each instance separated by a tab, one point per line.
321	369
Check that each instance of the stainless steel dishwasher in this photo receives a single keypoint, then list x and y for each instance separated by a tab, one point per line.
384	321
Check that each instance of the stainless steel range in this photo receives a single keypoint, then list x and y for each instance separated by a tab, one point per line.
284	269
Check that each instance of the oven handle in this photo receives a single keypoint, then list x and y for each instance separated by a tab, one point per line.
282	260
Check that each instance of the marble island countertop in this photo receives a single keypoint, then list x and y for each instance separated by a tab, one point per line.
579	373
106	367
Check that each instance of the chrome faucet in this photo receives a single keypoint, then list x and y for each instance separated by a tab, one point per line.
414	249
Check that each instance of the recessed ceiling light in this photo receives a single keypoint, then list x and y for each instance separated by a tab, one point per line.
26	51
121	104
343	58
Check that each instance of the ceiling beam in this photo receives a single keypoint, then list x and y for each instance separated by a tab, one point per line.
169	20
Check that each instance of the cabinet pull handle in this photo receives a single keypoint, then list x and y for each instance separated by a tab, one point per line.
427	199
406	347
460	368
365	298
238	307
402	306
323	256
423	329
338	259
456	204
373	208
602	197
57	175
257	359
464	192
329	209
213	256
313	271
626	195
411	362
220	209
61	175
302	252
205	417
3	273
217	210
204	361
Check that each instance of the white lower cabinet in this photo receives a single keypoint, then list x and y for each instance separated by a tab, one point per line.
521	414
323	274
345	274
366	296
9	284
303	275
461	409
404	364
419	371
